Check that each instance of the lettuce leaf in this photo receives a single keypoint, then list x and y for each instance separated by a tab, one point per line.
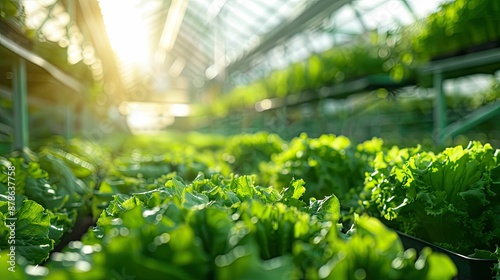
32	227
449	198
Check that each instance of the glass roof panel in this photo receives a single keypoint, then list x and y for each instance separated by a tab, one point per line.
353	19
386	15
422	8
225	30
50	20
343	16
320	41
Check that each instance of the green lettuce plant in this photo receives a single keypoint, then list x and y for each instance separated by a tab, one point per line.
450	198
229	228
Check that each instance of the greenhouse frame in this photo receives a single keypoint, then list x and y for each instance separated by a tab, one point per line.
245	139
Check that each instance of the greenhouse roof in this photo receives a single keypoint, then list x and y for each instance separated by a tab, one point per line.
206	39
185	44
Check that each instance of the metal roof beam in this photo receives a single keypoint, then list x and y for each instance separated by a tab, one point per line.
175	17
55	72
359	16
313	14
89	18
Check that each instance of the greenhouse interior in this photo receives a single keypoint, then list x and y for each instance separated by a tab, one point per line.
249	139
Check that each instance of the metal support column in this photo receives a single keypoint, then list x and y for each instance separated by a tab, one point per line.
282	120
320	116
20	105
69	124
84	119
439	109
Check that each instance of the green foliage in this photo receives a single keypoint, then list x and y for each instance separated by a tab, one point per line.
329	164
457	26
198	238
449	198
32	229
245	152
46	206
92	155
497	266
183	155
10	9
374	252
379	190
65	183
219	227
152	224
27	169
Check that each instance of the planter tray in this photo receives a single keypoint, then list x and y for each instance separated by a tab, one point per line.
483	62
468	268
336	91
468	50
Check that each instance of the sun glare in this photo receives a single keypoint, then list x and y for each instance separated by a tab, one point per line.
126	30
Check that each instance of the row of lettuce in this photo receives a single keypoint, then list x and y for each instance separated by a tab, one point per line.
211	207
50	191
457	27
